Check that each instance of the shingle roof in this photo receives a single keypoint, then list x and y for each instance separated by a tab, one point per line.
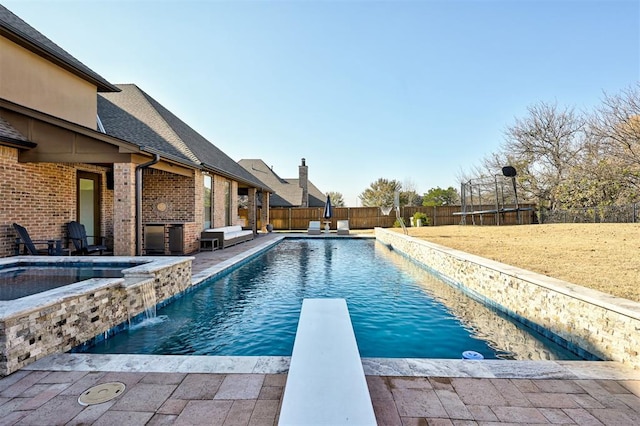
18	31
8	131
9	136
134	116
287	191
316	197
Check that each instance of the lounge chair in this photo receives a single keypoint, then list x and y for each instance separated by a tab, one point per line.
343	227
30	245
78	236
314	227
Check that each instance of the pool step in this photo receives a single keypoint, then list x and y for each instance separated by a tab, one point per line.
326	383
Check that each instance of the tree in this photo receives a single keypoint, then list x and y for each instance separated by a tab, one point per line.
543	147
410	198
336	198
615	130
409	195
441	197
380	193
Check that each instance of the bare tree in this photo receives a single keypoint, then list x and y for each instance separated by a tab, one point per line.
593	182
615	129
409	195
543	147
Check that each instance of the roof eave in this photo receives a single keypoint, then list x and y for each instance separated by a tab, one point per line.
16	143
170	157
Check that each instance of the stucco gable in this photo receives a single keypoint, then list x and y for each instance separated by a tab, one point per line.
23	34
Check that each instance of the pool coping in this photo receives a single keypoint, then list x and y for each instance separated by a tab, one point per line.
404	367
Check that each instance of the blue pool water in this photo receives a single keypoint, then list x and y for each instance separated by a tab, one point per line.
397	309
24	279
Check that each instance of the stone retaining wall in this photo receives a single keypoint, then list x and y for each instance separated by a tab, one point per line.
601	324
61	319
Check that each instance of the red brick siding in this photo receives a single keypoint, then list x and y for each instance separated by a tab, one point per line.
42	198
175	191
124	214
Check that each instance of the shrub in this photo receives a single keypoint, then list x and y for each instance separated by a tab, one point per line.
423	218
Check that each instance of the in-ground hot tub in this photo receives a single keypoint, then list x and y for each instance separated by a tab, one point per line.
37	324
25	278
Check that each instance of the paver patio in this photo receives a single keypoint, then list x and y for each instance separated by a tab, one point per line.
51	398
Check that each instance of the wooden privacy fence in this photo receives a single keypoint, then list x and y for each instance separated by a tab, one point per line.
297	218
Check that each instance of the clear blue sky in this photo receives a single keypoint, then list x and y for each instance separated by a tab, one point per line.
415	91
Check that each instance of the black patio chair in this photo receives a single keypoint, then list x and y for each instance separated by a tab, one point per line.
30	245
78	236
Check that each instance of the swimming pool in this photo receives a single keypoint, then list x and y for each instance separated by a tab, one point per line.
397	309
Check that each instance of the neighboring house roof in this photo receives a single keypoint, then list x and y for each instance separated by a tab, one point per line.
134	116
21	33
316	197
287	192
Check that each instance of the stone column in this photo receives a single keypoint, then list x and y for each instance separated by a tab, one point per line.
264	214
303	182
124	209
252	206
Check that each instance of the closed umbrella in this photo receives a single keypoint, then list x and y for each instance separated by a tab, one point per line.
328	212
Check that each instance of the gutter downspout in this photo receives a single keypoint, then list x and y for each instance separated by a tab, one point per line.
139	168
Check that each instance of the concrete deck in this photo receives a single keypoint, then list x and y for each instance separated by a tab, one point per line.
162	390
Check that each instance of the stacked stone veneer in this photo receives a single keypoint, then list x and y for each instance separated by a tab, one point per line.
61	319
601	324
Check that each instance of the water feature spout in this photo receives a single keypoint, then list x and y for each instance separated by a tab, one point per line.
149	301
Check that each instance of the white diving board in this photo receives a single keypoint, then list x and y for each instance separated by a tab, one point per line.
326	383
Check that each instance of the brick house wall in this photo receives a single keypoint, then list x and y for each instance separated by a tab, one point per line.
42	198
124	216
176	192
179	197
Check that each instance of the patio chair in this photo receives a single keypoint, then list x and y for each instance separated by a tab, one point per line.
30	245
314	227
78	236
343	227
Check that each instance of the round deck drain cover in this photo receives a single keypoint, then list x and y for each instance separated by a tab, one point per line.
101	393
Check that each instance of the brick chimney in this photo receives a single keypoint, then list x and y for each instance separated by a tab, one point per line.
303	181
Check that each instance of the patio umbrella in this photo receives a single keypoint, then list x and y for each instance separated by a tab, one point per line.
328	211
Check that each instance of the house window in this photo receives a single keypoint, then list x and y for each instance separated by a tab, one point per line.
208	201
227	203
